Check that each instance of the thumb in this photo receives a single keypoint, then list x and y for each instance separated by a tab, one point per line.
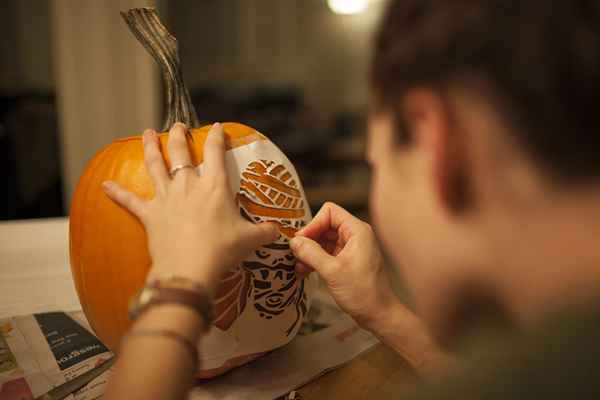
309	252
263	233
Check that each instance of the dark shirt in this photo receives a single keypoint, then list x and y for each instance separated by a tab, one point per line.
560	359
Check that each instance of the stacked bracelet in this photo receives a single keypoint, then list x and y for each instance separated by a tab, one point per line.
174	290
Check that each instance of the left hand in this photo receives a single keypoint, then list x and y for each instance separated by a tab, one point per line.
193	224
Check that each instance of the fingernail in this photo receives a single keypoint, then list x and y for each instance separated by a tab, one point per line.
147	135
106	185
180	125
216	129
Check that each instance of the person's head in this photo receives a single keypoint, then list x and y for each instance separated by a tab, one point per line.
483	119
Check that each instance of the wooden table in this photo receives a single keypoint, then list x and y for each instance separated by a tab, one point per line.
378	373
35	277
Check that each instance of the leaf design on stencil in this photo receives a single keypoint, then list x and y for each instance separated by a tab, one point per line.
231	297
268	192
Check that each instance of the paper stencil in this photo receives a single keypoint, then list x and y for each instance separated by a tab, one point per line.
260	304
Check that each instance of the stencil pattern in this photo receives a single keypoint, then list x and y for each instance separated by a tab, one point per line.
268	192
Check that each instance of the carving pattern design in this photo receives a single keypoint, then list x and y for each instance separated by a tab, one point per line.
268	193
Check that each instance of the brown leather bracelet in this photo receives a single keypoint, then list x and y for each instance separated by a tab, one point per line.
174	290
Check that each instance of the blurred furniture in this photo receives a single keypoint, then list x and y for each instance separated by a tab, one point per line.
35	277
327	152
30	157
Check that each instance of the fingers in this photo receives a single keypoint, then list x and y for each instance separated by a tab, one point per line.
302	270
263	233
329	246
330	235
310	253
332	217
179	152
214	154
124	198
154	161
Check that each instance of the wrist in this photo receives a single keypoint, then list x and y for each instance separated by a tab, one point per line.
402	330
175	317
205	273
378	315
176	291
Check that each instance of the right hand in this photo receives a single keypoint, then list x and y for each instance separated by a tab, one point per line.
343	250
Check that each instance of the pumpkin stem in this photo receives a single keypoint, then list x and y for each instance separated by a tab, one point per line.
147	28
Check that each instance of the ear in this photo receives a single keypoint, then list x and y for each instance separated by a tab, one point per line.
430	122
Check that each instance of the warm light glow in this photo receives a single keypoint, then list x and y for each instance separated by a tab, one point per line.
348	6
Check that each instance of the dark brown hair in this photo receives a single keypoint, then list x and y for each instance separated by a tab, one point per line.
541	60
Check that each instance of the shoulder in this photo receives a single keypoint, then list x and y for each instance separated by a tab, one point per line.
557	360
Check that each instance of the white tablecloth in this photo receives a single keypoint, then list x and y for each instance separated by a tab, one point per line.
34	267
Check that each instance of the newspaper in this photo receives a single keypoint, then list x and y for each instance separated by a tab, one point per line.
327	340
41	351
290	367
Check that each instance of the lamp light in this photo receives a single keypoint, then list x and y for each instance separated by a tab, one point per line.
348	7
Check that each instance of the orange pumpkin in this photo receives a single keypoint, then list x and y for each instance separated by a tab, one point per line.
109	258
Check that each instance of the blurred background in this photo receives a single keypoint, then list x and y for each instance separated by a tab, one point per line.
72	79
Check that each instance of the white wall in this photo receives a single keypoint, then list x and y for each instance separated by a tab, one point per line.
106	83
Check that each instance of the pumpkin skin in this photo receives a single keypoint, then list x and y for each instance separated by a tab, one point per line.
108	245
259	304
108	264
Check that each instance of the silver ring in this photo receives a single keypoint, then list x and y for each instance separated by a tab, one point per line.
176	168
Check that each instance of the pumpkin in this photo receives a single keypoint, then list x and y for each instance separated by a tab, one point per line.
260	304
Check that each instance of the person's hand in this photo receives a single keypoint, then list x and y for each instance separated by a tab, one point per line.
344	251
193	224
